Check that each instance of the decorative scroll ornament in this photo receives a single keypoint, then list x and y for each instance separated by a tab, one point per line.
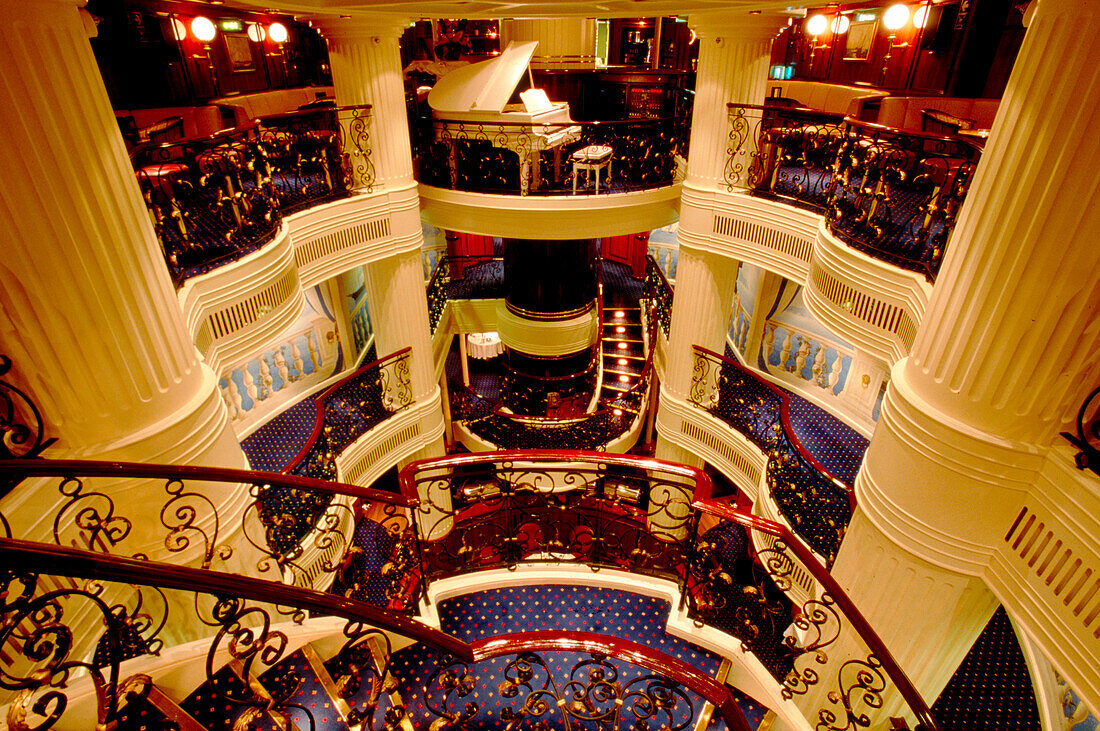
23	437
1087	438
594	694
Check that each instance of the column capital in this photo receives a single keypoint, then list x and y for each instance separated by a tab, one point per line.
360	28
737	26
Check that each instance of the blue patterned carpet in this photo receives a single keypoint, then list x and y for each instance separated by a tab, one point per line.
271	447
518	609
834	444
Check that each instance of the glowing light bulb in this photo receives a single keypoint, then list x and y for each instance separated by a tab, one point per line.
256	33
840	25
203	29
817	25
920	17
896	16
277	32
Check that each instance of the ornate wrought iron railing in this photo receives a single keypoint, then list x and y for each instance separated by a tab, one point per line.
210	518
502	509
350	408
815	503
463	277
577	680
544	159
72	617
216	198
894	195
659	293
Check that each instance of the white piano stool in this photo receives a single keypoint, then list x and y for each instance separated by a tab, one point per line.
590	159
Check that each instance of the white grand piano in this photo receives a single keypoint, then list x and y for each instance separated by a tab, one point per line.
474	102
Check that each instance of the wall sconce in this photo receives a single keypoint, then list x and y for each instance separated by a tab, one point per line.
894	19
204	30
277	34
256	33
816	27
840	25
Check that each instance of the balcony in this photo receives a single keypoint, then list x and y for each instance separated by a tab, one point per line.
891	194
217	198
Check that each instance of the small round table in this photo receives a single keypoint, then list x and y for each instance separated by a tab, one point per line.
484	346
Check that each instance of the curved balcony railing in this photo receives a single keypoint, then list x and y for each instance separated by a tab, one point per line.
515	158
815	503
128	509
349	409
216	198
891	194
500	510
72	617
463	277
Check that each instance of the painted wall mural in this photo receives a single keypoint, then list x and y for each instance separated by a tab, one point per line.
353	284
664	247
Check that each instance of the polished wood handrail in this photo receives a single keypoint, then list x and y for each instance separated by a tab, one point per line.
785	419
407	476
42	558
21	468
319	405
614	647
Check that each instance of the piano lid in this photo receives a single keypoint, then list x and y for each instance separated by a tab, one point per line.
485	86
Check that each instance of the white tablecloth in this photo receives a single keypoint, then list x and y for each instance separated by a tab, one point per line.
484	345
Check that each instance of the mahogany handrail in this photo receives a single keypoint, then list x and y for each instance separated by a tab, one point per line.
784	416
615	647
90	468
408	483
42	558
319	405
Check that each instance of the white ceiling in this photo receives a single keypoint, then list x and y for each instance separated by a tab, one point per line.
515	8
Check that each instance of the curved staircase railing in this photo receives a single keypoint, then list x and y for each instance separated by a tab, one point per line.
71	618
203	516
350	408
811	499
645	516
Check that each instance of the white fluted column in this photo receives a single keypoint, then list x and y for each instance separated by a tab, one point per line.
767	287
399	312
91	319
734	52
1006	351
366	69
87	310
564	43
701	310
